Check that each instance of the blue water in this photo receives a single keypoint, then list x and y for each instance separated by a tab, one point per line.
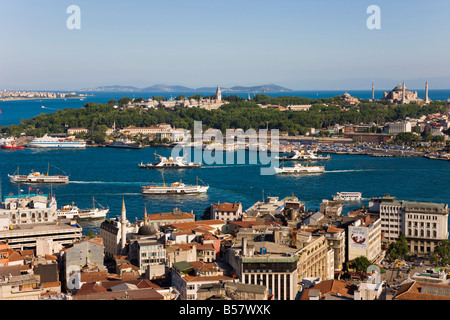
14	111
110	174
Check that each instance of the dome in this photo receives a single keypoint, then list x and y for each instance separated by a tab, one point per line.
147	230
399	88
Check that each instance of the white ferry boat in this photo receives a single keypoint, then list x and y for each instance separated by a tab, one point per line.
169	163
304	155
174	188
37	177
54	142
347	196
73	212
299	169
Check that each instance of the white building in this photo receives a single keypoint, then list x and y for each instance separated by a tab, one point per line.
364	238
424	224
226	211
399	127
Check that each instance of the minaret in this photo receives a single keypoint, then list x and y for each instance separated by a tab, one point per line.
248	97
404	93
145	216
373	91
219	94
123	222
427	100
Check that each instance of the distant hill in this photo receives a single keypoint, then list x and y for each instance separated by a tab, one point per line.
174	88
166	88
115	88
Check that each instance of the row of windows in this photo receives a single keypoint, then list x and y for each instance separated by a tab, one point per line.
422	224
422	217
422	233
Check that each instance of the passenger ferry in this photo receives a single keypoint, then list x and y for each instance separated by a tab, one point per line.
174	188
73	212
299	169
169	163
54	142
347	196
37	177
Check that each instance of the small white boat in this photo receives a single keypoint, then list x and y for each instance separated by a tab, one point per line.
73	212
347	196
299	169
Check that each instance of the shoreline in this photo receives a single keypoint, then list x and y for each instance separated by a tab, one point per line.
29	99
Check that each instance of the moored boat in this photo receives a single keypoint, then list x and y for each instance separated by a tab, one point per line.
347	196
12	146
169	163
55	142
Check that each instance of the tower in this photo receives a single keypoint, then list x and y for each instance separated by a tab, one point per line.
219	94
404	93
373	91
427	100
145	216
123	223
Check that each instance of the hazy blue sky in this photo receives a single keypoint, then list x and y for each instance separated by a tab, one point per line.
299	44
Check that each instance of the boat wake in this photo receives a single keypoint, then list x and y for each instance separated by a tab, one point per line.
340	171
108	182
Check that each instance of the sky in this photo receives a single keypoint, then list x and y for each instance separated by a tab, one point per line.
298	44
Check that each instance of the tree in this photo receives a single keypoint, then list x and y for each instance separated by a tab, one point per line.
398	249
442	253
123	101
90	235
360	264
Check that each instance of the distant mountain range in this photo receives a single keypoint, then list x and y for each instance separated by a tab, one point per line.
268	88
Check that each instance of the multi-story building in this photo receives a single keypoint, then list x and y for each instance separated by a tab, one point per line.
328	207
268	264
364	238
188	280
423	224
226	211
316	259
26	219
395	128
164	218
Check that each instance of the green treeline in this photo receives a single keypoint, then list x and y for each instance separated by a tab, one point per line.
238	113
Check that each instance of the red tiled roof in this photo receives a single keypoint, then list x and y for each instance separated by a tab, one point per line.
90	277
89	288
413	291
331	287
226	206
